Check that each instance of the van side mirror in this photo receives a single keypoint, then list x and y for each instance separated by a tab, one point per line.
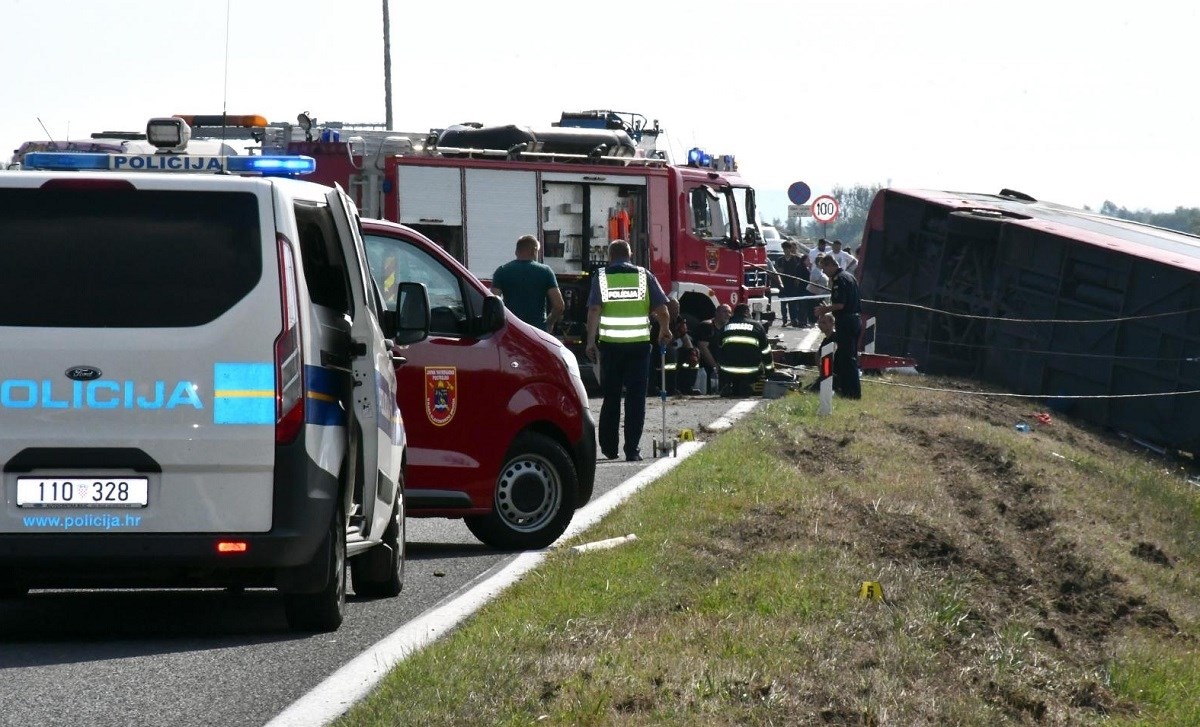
412	313
492	317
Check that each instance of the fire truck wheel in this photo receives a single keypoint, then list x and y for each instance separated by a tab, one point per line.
324	609
534	498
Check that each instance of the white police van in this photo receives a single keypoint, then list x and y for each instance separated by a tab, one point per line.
197	386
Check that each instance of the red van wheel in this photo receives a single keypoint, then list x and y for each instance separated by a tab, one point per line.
534	498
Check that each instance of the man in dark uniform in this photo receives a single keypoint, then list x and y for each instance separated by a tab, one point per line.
743	353
794	276
845	304
622	299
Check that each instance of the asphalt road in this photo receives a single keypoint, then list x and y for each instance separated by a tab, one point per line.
214	658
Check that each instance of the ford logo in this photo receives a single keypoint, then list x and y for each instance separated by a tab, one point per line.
84	373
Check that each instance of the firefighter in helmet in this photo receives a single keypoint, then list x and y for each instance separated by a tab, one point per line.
743	353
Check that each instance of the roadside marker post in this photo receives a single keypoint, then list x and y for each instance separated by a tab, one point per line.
869	335
825	408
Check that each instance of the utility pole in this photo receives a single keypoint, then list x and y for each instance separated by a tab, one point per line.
387	65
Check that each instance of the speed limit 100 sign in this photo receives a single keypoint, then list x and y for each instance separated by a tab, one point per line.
824	209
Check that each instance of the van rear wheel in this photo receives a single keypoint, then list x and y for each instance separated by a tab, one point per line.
534	498
379	572
324	609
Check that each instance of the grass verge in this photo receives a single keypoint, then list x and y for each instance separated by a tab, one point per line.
1047	577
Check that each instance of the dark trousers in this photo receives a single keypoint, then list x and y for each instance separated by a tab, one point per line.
655	382
792	308
845	359
810	309
685	371
624	368
681	372
737	385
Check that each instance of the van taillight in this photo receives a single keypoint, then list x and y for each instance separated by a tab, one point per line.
232	546
289	364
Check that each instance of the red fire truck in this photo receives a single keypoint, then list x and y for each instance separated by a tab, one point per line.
590	178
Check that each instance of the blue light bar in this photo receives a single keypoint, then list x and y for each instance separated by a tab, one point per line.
64	161
271	165
84	161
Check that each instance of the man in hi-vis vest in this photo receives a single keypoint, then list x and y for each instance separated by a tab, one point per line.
623	298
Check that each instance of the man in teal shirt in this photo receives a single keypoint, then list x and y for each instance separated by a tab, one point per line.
527	286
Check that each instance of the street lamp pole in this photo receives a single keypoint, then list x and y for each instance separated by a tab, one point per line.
387	65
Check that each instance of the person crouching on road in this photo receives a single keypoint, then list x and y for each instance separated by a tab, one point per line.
743	353
680	357
622	299
707	337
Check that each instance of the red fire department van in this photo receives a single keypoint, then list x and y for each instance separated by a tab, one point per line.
499	431
593	177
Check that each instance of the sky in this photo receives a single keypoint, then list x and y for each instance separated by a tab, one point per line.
1070	102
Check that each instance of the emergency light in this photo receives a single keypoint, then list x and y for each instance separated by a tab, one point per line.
169	132
697	157
64	161
271	165
86	161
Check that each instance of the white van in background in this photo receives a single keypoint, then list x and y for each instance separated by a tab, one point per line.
773	240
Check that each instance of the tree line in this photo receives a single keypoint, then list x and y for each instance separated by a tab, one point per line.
1183	219
854	204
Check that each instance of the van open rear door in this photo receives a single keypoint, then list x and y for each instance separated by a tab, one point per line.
374	378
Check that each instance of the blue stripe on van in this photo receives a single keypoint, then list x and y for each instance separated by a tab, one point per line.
323	404
244	393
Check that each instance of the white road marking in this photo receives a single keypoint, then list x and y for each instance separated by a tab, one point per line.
334	696
726	420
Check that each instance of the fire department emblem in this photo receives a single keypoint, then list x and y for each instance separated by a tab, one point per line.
441	394
713	255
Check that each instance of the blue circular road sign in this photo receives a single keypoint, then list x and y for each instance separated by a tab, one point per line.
799	193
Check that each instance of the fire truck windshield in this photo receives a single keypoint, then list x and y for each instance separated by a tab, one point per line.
743	201
710	214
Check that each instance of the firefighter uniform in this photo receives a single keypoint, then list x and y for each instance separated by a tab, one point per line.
743	354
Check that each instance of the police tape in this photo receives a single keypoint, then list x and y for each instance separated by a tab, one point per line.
801	297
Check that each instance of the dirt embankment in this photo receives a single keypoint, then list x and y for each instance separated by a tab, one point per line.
1012	533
